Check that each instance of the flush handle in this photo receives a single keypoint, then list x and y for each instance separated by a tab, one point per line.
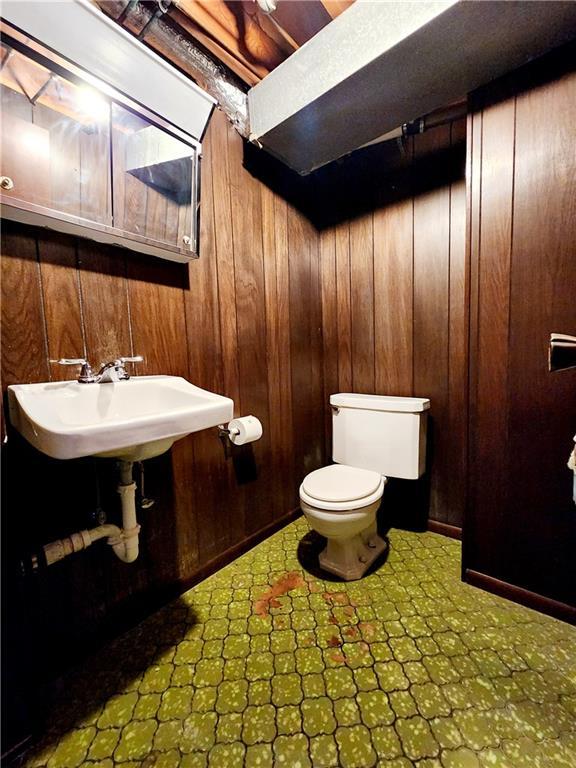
6	182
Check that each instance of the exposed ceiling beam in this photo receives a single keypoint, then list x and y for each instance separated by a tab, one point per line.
301	19
249	75
238	32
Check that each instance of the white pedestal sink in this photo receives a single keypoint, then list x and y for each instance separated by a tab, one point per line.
131	420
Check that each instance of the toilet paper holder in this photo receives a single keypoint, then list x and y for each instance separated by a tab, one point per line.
242	430
561	352
223	431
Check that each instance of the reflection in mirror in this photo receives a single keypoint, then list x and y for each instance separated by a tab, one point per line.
55	139
152	179
82	158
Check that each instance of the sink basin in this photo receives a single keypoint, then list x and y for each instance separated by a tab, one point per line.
133	420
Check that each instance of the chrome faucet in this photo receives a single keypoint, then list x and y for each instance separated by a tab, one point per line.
113	371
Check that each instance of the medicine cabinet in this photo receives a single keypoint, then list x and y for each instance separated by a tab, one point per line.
80	157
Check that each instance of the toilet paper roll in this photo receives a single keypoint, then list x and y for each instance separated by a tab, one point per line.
245	430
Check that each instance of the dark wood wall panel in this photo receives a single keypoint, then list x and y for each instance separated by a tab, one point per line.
394	300
330	334
243	320
251	320
521	523
202	307
61	286
24	348
431	321
284	417
219	132
104	291
393	297
305	345
458	331
362	302
493	288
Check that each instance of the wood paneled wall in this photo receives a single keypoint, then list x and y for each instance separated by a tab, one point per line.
277	316
394	302
521	525
244	320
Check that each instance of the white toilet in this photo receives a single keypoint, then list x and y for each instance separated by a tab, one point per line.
373	436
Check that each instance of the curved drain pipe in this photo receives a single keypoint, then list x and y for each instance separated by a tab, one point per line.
124	541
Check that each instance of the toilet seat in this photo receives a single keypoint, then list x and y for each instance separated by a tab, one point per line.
340	488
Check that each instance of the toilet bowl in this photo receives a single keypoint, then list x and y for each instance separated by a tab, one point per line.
373	437
340	503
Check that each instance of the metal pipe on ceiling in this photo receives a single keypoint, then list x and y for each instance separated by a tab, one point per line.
153	27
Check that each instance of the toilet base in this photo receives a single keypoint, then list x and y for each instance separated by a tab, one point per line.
350	558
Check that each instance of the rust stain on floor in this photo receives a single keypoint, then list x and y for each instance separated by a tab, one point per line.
269	599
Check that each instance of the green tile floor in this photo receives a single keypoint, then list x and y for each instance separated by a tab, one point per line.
407	667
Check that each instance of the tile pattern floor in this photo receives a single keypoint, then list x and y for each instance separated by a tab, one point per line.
407	667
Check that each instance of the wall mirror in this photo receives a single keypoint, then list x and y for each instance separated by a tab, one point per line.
80	157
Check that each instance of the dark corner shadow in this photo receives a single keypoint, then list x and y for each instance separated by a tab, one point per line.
152	269
406	503
534	74
47	632
366	180
381	174
243	460
117	669
310	547
89	256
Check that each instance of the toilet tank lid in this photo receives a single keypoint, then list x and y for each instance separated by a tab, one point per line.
380	402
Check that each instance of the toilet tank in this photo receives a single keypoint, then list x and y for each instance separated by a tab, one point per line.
381	433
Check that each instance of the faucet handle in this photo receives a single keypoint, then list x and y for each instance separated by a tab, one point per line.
86	374
121	362
72	361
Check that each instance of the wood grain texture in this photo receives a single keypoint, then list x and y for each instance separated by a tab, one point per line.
24	350
343	303
394	299
521	516
431	318
329	326
157	317
104	293
493	287
362	302
211	481
542	300
62	303
273	351
458	332
251	323
305	346
284	416
224	243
